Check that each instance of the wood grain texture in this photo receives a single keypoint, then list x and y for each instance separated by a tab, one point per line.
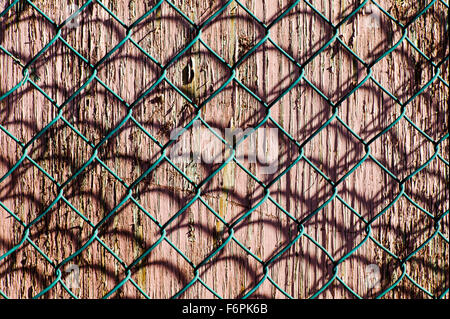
304	268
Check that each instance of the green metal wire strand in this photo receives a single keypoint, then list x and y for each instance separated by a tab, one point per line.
198	187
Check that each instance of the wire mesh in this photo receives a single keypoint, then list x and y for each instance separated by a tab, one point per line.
163	157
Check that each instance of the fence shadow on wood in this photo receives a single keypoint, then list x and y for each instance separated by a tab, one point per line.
129	153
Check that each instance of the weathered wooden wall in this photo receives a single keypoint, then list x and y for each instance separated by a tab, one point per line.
304	268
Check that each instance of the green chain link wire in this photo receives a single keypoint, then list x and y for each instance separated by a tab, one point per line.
231	158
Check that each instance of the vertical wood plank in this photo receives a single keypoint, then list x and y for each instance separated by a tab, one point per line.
304	268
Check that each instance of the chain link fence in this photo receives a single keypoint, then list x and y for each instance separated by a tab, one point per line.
64	272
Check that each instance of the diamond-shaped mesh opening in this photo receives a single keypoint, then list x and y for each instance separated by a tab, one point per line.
338	238
48	68
430	270
115	181
370	33
162	272
308	112
95	192
301	43
390	228
413	72
129	144
129	229
302	190
136	69
267	153
60	151
370	109
163	192
336	71
233	258
158	30
312	269
238	110
238	37
270	227
202	73
25	112
198	151
15	23
428	111
333	162
377	268
99	31
30	268
94	112
429	27
36	197
434	198
399	157
212	151
381	189
196	232
163	112
62	225
97	266
263	76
